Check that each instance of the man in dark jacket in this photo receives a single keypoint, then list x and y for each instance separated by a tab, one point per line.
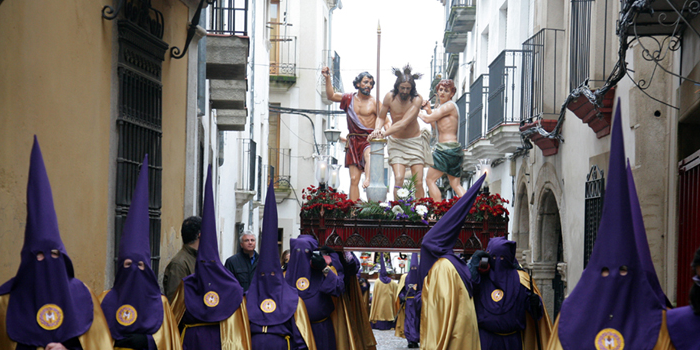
243	264
182	264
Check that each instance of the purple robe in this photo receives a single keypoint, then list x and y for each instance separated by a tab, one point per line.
273	327
315	289
411	326
132	286
200	337
683	325
620	305
45	290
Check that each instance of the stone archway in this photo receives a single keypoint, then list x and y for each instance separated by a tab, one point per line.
521	224
549	253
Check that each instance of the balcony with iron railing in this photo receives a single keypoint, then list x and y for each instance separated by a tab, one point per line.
459	23
452	65
227	56
478	145
463	106
279	171
505	100
283	61
437	70
540	86
246	172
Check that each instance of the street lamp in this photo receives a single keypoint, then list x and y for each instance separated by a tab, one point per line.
332	135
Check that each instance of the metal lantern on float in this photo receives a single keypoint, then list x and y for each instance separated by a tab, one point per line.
322	169
334	177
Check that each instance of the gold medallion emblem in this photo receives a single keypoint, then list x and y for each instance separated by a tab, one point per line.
268	305
609	339
126	315
49	317
211	299
497	295
303	283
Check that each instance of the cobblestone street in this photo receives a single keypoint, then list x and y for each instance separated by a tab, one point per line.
387	341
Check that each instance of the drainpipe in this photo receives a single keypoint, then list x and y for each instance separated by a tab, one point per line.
252	99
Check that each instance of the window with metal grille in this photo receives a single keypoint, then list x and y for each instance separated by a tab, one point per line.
595	191
229	17
139	125
580	47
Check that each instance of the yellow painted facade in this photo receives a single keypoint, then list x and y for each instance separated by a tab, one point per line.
57	74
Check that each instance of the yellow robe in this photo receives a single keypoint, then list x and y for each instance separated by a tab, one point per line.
235	330
167	337
662	343
544	324
400	309
383	308
301	319
448	317
97	336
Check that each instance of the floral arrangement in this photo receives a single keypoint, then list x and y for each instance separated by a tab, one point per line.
331	203
334	204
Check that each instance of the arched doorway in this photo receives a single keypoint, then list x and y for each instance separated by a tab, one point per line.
550	253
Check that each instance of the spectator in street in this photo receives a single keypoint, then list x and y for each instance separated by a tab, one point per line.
243	264
138	315
182	264
278	316
382	314
44	305
207	305
448	317
284	260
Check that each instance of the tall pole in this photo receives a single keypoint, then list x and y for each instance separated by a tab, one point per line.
379	46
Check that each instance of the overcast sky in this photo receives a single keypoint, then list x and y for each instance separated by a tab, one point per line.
410	29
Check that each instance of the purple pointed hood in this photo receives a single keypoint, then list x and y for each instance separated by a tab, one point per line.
413	276
502	275
621	306
134	304
640	235
212	293
47	303
299	273
439	242
270	300
383	276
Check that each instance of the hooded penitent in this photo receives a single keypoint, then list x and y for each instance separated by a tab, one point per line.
270	300
47	303
413	276
299	273
383	276
212	293
134	305
614	292
500	290
440	240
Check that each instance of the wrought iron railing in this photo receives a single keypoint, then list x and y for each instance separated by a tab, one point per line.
280	160
505	82
540	74
580	42
245	180
229	17
478	105
462	103
283	56
595	192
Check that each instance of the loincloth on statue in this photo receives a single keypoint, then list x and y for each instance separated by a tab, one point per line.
355	150
411	151
448	157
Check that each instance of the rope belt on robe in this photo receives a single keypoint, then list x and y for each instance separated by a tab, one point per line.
286	337
182	335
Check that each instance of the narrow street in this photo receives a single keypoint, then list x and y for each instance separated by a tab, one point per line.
386	340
